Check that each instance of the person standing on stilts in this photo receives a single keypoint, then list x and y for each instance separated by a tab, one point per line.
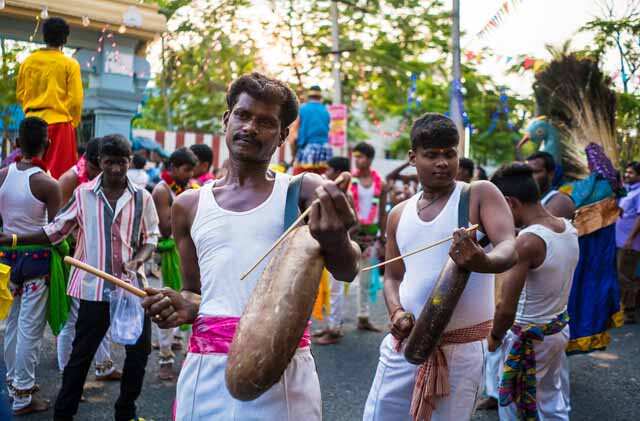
220	231
531	319
174	182
429	216
50	87
29	198
369	194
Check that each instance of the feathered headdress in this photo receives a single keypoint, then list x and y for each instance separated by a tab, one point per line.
574	93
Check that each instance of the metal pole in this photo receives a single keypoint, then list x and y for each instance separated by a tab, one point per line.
455	110
165	96
335	38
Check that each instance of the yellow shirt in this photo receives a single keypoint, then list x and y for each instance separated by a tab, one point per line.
50	87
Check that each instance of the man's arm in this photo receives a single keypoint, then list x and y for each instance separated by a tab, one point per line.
497	221
561	206
75	93
162	200
395	174
401	321
149	233
68	183
382	209
531	252
329	223
47	190
177	308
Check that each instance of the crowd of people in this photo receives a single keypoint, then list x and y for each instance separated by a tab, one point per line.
206	230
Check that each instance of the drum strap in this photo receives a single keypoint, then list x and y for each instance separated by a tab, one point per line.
291	207
463	212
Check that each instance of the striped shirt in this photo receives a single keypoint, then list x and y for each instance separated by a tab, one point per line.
105	238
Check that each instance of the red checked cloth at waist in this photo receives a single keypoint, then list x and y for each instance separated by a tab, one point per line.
213	335
432	378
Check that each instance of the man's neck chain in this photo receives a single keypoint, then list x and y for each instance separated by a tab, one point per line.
434	200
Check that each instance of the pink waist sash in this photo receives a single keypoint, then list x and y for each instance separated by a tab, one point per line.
213	335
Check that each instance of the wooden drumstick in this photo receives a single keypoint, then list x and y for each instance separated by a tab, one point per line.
421	249
303	215
104	275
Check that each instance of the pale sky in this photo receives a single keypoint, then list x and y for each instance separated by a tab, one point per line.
527	29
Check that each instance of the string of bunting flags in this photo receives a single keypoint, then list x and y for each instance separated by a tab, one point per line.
496	20
523	61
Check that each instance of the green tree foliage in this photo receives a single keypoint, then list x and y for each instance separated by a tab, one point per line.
619	31
628	124
208	48
9	68
619	34
382	43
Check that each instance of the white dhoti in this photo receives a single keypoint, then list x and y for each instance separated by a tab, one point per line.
392	389
492	369
552	374
336	315
202	394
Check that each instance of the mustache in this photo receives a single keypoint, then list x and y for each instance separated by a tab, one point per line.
244	137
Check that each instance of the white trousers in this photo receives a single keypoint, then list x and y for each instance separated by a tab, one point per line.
552	368
364	280
104	364
336	315
202	394
23	336
492	372
392	389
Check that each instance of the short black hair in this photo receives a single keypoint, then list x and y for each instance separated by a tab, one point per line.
434	130
467	164
115	145
55	32
271	91
516	180
139	161
92	151
340	164
482	173
33	136
547	159
203	152
182	156
365	149
635	166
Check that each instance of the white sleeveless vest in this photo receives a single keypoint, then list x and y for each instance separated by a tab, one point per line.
228	243
476	304
546	291
22	213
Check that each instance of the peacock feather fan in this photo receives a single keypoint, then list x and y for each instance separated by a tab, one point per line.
576	96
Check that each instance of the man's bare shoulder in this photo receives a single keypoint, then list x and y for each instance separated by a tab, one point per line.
188	200
396	212
484	187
